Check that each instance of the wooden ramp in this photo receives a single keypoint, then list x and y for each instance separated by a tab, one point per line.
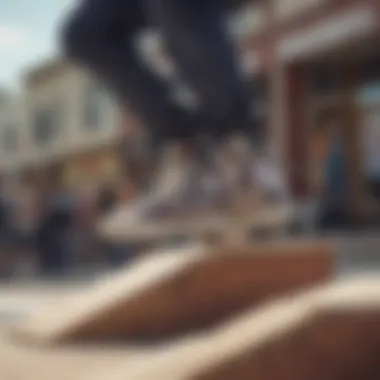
180	291
331	332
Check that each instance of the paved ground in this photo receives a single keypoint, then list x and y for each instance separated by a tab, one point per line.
18	300
359	254
20	362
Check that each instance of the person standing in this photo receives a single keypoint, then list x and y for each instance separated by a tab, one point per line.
334	203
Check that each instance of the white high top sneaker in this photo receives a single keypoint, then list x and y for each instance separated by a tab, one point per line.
180	190
251	179
235	160
171	180
270	180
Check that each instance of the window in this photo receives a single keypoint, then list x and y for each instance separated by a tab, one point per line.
97	106
370	72
371	141
325	121
46	124
327	81
9	139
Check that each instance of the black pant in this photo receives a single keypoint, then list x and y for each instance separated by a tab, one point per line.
100	34
374	186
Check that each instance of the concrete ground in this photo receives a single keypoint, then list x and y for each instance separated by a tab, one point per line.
20	362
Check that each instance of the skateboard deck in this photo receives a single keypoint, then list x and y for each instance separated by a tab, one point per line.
118	228
174	292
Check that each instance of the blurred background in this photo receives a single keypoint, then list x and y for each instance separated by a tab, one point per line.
314	70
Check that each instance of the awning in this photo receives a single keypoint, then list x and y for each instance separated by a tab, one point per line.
369	95
353	24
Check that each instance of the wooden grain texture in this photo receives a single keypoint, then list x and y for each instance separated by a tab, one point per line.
337	342
169	294
331	332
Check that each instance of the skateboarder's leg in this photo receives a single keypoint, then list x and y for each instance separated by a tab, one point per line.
197	38
196	35
100	35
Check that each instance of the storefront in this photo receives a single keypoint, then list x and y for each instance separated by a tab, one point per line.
287	53
317	64
92	169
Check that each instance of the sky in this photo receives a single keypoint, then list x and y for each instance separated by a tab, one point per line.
28	35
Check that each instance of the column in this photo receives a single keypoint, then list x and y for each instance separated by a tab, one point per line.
353	153
289	125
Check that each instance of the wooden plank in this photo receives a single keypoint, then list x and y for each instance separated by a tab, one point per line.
171	293
68	315
330	332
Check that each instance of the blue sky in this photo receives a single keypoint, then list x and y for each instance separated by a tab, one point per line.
28	34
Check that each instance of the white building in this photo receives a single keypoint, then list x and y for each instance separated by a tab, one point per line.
67	122
67	112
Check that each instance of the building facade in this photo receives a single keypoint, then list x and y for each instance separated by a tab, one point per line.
72	127
12	132
319	57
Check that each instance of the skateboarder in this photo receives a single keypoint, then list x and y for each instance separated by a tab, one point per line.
99	35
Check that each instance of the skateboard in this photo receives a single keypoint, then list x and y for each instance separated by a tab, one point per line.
210	228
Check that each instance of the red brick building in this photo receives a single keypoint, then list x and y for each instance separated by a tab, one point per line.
316	56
